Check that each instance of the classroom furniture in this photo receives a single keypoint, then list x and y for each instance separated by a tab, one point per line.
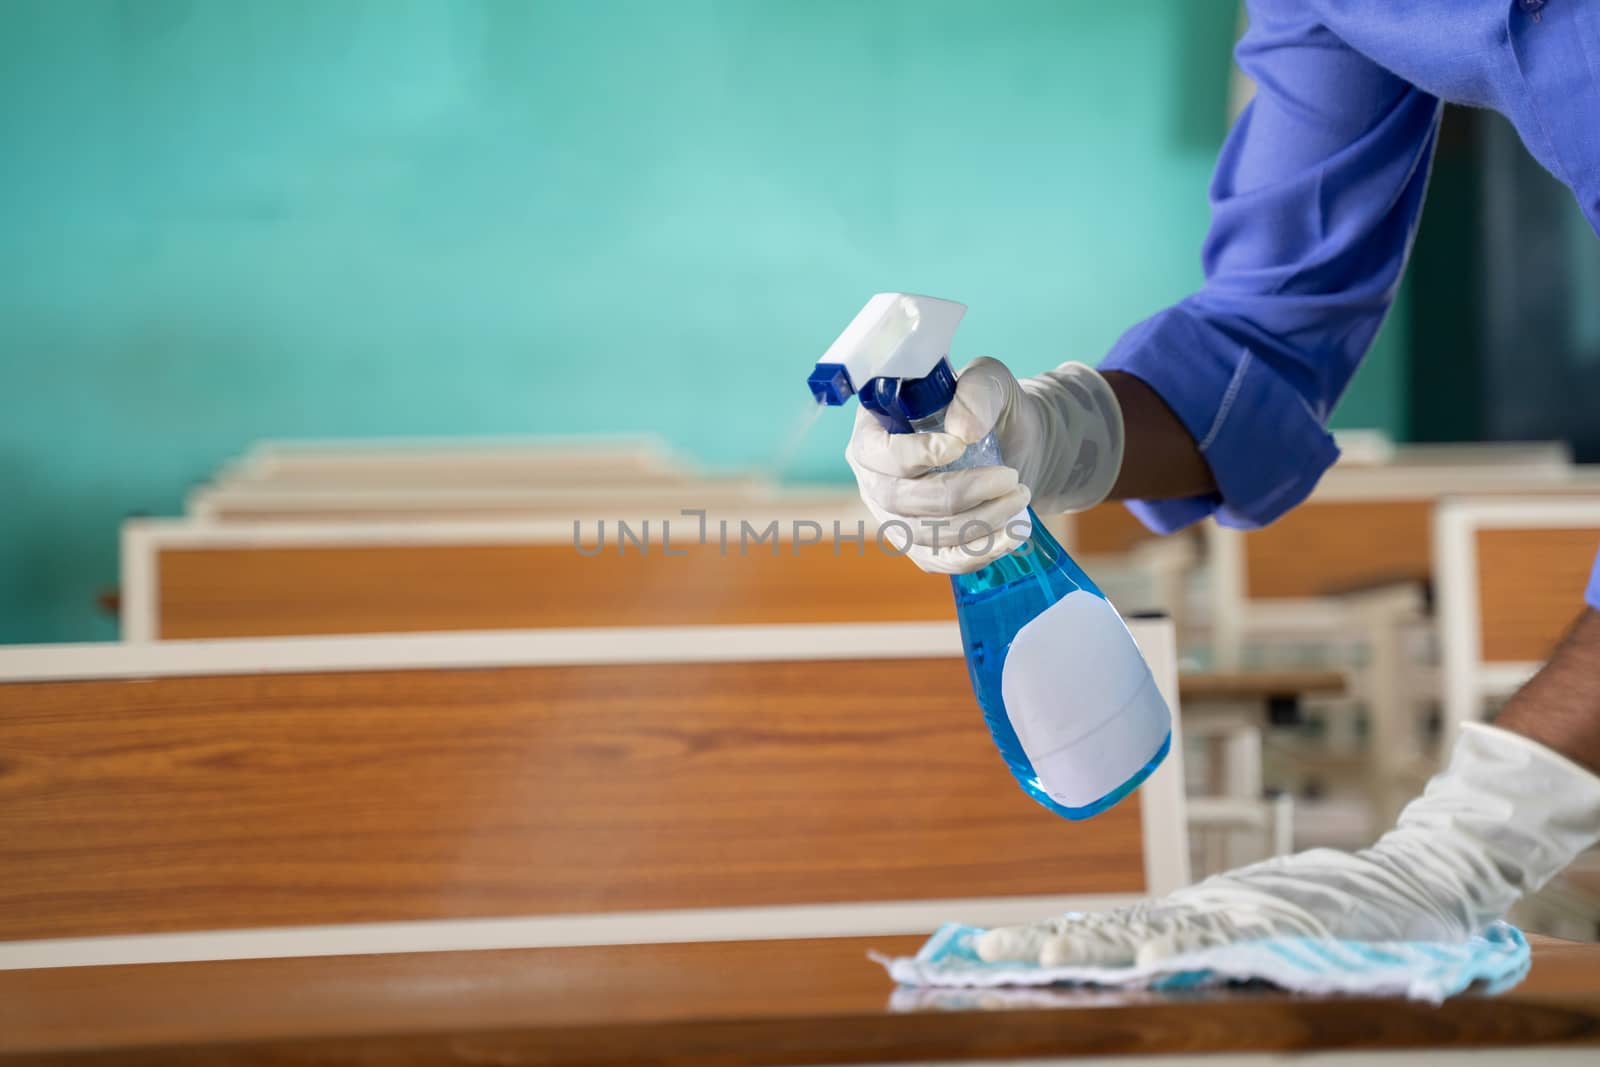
573	786
183	579
1138	570
188	580
1232	819
589	501
1366	524
1346	576
1510	574
401	462
1106	530
1362	528
452	473
808	1001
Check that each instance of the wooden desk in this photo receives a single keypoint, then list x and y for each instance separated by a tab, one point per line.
412	588
185	579
409	461
719	1003
195	803
1510	575
1244	686
1108	529
1230	711
587	500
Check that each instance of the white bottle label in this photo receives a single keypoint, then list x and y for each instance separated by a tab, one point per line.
1081	699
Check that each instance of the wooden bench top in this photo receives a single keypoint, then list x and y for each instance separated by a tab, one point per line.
228	802
774	1002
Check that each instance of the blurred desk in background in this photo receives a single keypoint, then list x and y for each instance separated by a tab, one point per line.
1232	820
415	462
1270	686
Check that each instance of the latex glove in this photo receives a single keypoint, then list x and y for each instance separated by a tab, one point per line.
1060	438
1506	816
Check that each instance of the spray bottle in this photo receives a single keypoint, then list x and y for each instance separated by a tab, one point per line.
1065	692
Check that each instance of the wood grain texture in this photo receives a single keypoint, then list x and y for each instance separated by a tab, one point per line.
1256	685
1323	547
1107	530
785	1002
211	803
277	592
1530	588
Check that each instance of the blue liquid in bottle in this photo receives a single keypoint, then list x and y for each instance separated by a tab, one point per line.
1065	693
993	605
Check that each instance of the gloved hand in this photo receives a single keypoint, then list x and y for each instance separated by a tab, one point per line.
1060	438
1506	816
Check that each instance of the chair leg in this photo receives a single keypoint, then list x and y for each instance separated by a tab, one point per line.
1242	780
1282	825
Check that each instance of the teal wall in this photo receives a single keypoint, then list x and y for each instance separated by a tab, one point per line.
224	221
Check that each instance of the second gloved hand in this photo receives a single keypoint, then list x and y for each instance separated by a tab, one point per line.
1506	816
1061	442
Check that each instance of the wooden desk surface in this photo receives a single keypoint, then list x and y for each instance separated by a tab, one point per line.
779	1002
198	803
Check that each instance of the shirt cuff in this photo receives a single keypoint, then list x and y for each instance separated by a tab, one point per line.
1265	445
1593	593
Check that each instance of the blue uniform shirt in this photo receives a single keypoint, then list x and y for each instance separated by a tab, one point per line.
1593	595
1314	204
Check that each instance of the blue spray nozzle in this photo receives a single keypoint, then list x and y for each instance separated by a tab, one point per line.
899	403
830	384
895	355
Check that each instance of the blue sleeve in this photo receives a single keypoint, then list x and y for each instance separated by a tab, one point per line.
1314	204
1592	595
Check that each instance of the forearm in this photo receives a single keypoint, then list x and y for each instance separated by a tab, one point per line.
1560	706
1518	801
1160	460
